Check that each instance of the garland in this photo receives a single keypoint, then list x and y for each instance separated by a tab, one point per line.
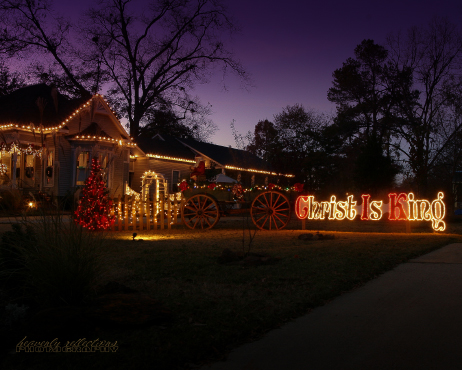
3	169
13	148
237	189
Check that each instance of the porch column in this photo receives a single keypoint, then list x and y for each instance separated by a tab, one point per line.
14	159
73	166
43	158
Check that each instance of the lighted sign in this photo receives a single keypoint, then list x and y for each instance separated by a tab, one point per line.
400	207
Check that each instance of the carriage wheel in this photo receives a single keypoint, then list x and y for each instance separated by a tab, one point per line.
200	211
270	211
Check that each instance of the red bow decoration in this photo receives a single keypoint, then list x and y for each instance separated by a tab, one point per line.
238	192
183	185
212	186
271	186
298	187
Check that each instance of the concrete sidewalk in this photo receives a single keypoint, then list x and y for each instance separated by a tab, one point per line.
408	318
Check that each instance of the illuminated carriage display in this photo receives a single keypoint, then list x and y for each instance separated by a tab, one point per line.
269	207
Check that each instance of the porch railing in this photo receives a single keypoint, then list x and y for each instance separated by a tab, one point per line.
132	214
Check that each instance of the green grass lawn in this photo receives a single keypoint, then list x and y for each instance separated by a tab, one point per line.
216	307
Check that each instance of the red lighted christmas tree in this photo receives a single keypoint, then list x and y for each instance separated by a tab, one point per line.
94	206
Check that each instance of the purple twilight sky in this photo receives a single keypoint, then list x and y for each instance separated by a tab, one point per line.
290	48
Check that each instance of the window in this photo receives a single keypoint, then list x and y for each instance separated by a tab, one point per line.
49	175
103	159
5	166
175	180
82	167
29	160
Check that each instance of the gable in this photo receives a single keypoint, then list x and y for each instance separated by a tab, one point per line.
41	109
93	116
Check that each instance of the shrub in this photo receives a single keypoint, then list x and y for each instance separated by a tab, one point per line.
56	261
13	314
11	200
13	247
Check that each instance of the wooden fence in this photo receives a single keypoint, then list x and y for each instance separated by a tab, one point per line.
132	214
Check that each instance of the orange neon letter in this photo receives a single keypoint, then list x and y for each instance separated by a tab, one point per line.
351	211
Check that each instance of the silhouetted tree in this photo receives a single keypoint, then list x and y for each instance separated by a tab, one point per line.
189	125
31	27
361	92
374	171
9	81
404	97
148	54
291	144
166	122
426	102
265	141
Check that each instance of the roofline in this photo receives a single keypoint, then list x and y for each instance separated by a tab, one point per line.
190	147
237	168
32	128
113	115
178	159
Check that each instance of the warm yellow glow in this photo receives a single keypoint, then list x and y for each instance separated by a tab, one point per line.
129	191
170	158
424	210
102	138
401	207
438	211
51	129
13	148
257	171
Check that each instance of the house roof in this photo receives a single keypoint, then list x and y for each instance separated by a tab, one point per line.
164	145
228	156
22	106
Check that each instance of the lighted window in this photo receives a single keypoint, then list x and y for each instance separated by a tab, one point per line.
30	160
103	160
5	166
83	161
50	158
104	163
29	170
49	170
